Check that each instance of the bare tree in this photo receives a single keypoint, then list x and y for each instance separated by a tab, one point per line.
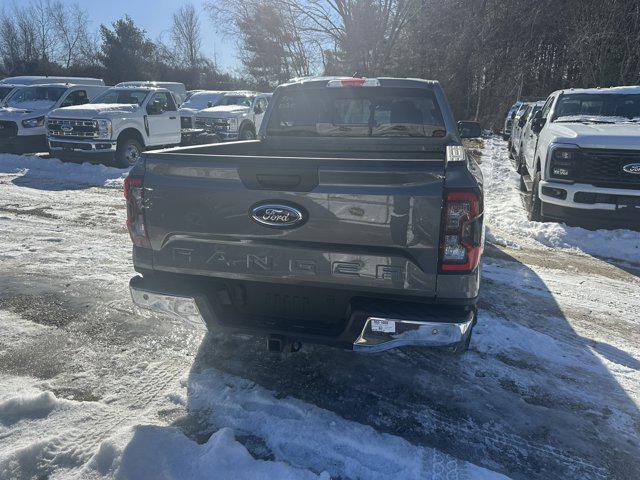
365	32
187	36
40	14
28	35
70	24
10	45
272	44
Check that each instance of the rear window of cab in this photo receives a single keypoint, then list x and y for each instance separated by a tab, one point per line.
356	112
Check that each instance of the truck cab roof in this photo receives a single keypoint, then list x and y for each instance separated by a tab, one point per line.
177	89
240	92
46	80
145	88
628	90
353	81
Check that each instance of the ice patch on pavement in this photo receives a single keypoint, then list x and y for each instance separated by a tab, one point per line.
507	219
53	169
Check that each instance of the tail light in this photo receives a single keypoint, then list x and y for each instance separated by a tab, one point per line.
461	237
353	82
134	193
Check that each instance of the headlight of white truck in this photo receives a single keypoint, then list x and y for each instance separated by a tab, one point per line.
33	122
104	129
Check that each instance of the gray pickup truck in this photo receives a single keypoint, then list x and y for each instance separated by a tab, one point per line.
354	220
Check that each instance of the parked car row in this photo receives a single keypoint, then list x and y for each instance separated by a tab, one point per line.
76	117
578	155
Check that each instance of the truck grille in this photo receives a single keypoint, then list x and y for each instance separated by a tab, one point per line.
603	168
212	124
63	127
8	129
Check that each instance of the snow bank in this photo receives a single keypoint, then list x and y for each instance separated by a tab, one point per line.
508	225
310	437
63	172
302	441
29	405
160	452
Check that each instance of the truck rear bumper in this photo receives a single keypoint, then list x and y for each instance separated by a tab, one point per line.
371	327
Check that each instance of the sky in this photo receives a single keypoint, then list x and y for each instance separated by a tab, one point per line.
154	16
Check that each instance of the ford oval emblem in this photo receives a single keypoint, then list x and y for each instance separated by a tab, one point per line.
278	215
632	168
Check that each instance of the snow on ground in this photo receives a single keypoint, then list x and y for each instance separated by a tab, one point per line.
52	170
84	423
509	226
90	389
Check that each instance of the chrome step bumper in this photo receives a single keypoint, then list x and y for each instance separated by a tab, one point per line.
183	308
381	334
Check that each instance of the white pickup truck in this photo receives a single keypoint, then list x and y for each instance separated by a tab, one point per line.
189	110
198	101
120	125
22	128
235	116
581	158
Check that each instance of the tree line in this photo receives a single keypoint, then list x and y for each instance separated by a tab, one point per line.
50	37
486	53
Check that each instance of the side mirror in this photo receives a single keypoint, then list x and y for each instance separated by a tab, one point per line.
257	110
209	104
469	129
537	124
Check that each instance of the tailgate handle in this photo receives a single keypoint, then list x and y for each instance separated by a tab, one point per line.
279	177
278	181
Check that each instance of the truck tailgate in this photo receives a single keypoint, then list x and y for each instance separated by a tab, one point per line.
367	224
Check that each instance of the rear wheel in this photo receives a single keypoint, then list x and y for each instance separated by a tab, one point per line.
128	152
